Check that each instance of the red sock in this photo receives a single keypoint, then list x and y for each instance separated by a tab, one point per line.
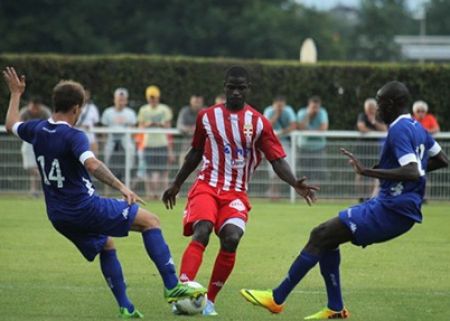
222	270
191	261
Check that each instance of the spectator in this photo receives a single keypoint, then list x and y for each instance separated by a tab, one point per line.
186	121
188	115
119	116
366	122
313	117
283	120
89	117
158	151
428	121
220	99
34	110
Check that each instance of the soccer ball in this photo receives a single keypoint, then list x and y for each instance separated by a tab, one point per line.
191	306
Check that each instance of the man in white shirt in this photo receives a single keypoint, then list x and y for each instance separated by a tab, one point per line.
119	116
89	117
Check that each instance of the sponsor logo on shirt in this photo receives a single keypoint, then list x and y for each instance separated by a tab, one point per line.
238	204
49	130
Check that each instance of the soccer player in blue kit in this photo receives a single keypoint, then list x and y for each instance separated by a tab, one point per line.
408	154
74	208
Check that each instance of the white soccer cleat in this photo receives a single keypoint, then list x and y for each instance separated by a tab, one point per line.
210	310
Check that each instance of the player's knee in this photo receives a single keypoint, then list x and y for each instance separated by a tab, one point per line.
318	235
202	231
109	245
230	242
145	221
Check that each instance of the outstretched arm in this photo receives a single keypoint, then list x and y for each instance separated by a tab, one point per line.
16	87
191	161
284	172
101	172
437	162
409	172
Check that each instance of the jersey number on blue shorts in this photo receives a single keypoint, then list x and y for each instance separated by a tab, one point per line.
54	174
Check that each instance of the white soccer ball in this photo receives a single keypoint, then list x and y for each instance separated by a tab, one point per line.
191	306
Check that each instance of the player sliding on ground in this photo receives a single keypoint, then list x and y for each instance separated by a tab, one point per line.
230	138
73	207
409	152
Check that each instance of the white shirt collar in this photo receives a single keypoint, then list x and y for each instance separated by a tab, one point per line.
398	119
59	122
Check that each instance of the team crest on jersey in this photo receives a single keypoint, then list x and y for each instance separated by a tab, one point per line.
248	129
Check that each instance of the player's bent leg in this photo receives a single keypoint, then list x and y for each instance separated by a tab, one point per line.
230	236
158	251
193	255
112	271
326	236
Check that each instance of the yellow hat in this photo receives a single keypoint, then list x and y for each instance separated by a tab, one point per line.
152	91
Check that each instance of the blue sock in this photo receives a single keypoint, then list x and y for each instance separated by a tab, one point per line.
329	267
302	264
112	271
159	252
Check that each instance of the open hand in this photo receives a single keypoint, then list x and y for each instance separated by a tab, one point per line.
308	192
130	196
15	83
356	164
169	196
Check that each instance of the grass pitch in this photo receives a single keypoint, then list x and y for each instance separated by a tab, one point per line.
43	277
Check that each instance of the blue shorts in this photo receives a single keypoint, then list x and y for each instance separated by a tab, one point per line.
92	225
371	222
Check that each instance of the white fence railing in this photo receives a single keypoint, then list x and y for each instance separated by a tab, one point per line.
312	154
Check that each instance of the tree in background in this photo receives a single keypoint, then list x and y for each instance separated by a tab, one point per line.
437	17
233	28
379	22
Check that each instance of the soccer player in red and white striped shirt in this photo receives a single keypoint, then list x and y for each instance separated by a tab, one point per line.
231	139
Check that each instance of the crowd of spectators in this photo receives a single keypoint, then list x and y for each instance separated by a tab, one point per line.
155	151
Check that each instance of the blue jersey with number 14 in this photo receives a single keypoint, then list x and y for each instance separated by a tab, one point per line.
407	142
60	152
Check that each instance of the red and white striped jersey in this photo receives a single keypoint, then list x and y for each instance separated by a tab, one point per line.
233	144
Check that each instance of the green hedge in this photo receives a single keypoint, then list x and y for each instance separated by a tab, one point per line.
343	87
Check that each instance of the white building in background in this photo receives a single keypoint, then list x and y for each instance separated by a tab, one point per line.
430	48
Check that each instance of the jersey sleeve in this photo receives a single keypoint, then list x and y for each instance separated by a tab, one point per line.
26	130
269	143
199	138
402	144
290	114
80	147
432	146
301	115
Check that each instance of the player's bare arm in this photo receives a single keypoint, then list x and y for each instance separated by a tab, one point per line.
437	162
16	87
101	172
191	162
283	170
409	172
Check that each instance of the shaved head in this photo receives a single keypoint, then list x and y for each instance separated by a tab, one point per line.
393	99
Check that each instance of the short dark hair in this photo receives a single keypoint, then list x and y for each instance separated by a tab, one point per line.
315	99
66	95
280	98
237	71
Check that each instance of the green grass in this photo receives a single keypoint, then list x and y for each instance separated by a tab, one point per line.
43	277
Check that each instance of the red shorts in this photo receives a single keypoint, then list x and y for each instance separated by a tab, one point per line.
206	203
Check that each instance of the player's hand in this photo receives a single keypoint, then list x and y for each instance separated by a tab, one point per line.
130	196
15	83
169	196
356	164
308	192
